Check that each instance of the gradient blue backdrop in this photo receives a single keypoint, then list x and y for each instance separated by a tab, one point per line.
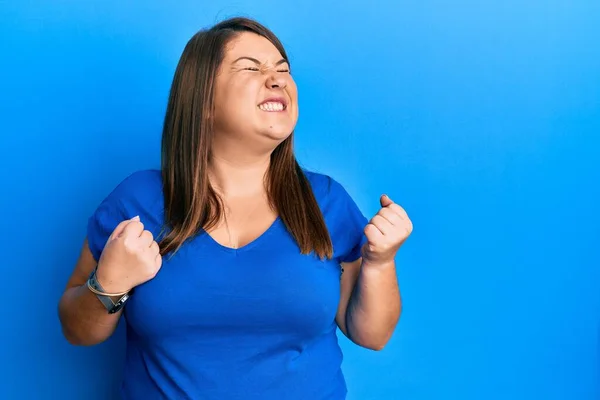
480	117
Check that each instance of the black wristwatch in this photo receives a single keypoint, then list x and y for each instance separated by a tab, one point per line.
111	306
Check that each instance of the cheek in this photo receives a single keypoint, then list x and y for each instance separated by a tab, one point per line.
241	95
222	95
293	89
293	93
231	105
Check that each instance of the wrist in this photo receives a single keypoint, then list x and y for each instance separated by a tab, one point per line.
378	264
113	302
108	283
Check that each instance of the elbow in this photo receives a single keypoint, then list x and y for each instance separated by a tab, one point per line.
73	339
374	339
79	340
74	336
374	343
76	333
376	346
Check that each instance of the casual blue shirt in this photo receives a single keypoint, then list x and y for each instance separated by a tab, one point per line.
257	322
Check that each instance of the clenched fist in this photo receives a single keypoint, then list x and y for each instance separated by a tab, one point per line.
386	232
130	258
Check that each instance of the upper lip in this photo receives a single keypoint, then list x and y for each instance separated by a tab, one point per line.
275	99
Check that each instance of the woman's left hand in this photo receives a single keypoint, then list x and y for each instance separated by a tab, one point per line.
385	233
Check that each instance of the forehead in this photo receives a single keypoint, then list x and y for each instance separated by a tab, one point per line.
248	44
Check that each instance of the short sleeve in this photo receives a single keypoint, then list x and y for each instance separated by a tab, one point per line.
102	223
139	194
110	213
122	203
346	224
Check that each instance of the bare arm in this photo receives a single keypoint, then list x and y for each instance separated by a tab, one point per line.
370	303
84	319
129	258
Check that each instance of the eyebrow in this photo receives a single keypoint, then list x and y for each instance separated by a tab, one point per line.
255	61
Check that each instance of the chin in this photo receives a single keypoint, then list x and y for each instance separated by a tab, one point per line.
276	133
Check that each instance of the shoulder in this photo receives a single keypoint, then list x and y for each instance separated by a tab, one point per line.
333	198
323	186
139	182
139	193
343	218
329	192
141	186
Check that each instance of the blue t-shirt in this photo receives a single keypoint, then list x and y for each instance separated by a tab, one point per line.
256	322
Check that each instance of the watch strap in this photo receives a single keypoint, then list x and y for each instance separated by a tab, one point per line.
110	305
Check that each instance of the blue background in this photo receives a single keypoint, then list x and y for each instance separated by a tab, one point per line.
480	117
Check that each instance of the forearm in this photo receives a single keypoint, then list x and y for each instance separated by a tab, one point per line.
374	307
84	319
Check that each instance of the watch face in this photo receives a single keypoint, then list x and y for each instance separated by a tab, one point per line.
118	305
115	309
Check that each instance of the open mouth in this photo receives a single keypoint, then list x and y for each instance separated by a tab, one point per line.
273	105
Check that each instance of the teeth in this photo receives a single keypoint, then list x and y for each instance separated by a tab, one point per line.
271	106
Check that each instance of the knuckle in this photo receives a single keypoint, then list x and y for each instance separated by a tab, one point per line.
136	224
129	242
396	208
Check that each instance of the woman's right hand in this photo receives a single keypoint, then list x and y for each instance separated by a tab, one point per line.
130	258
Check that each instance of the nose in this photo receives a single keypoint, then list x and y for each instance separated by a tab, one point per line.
275	81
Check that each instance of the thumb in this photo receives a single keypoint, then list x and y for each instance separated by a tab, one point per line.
385	201
121	227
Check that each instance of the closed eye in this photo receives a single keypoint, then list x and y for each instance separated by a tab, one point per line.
257	69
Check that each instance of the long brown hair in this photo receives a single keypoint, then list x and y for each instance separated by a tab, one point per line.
191	204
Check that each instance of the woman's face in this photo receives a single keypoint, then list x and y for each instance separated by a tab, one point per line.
256	99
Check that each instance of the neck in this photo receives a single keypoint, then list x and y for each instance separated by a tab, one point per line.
237	168
235	176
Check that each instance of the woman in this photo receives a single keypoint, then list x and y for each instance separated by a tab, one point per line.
226	263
